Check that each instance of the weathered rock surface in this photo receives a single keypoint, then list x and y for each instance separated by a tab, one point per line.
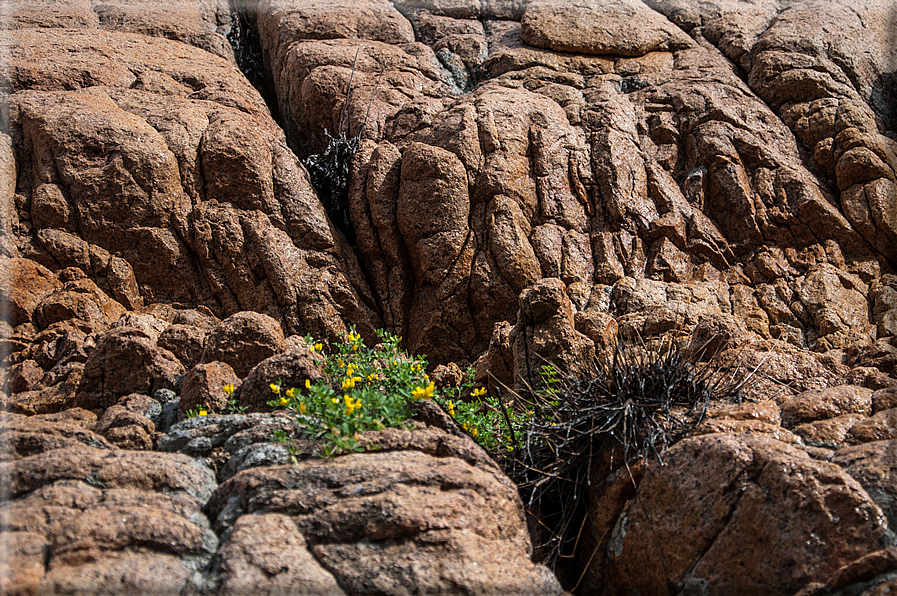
428	524
534	177
729	536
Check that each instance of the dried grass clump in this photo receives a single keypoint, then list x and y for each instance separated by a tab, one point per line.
639	399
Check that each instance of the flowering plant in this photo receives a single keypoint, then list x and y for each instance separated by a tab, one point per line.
363	389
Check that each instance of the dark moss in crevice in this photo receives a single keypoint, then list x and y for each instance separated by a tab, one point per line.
244	39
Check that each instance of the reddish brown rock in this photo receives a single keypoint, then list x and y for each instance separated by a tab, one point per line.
81	300
758	428
764	411
193	21
882	426
826	403
119	521
428	535
268	553
127	424
831	433
291	369
24	436
618	28
23	376
28	282
746	533
62	384
186	342
884	399
243	340
125	361
203	387
545	332
872	465
24	562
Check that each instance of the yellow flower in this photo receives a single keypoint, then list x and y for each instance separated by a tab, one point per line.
478	392
308	383
473	432
284	401
229	389
353	337
340	363
319	347
357	404
348	400
348	411
203	412
291	392
427	393
349	382
334	400
275	388
302	408
372	377
451	408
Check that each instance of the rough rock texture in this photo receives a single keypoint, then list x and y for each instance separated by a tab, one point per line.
113	521
729	536
442	508
533	178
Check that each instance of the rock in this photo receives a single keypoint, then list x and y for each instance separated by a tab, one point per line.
243	340
29	283
194	21
716	511
186	342
224	442
879	427
62	384
81	300
23	376
884	399
125	361
880	354
406	505
29	435
292	369
25	557
113	469
267	553
826	403
871	465
762	411
545	333
618	28
128	424
747	427
204	387
830	433
152	326
118	521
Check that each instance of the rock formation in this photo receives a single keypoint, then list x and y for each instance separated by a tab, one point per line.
533	177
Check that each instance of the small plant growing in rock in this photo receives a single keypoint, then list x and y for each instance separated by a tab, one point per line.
365	389
481	416
641	400
197	411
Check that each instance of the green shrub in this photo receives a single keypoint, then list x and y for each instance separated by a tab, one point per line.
373	388
364	389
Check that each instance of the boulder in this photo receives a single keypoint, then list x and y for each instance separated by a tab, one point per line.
203	387
291	369
126	360
243	340
119	521
727	513
389	522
